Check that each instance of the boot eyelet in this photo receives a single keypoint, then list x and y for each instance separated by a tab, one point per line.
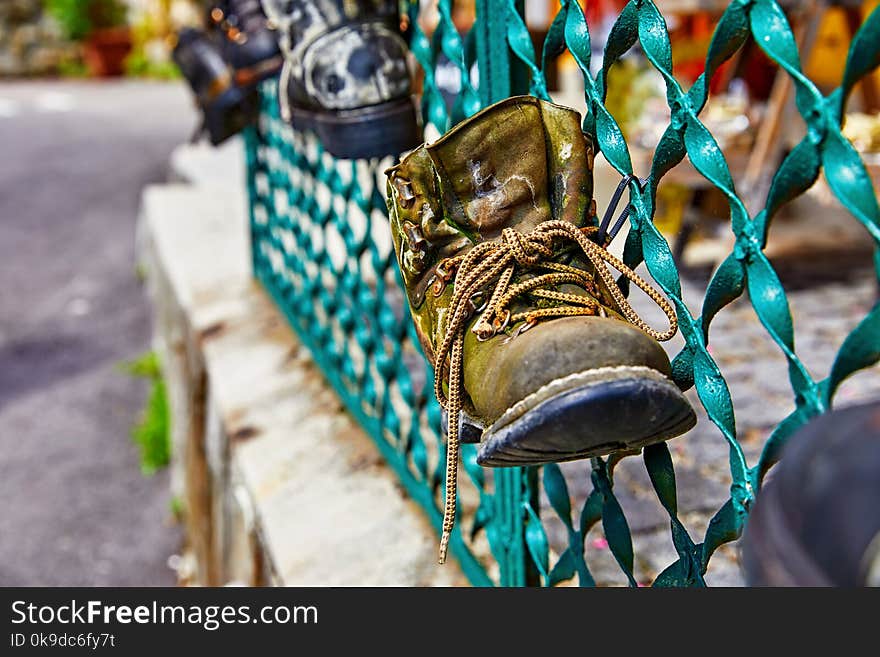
405	194
504	324
441	270
530	324
414	236
479	298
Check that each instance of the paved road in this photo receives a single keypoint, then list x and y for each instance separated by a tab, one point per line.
75	508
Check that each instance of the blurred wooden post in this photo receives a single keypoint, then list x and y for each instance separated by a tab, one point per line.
768	141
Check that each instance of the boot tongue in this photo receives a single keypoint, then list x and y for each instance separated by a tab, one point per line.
516	165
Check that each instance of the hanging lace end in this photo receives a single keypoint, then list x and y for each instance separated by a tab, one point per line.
444	545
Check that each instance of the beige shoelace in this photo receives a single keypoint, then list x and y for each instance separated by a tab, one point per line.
495	262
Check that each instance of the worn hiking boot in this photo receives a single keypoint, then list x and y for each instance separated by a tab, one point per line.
345	75
226	107
816	522
534	346
248	45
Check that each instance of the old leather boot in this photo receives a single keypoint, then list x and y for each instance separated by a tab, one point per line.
529	334
247	43
345	75
226	107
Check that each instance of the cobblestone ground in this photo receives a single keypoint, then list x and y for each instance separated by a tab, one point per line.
756	373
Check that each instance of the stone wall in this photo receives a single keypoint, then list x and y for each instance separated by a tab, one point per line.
30	42
279	485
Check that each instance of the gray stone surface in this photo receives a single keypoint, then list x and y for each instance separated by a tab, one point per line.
76	509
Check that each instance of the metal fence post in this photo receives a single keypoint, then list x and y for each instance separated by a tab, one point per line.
501	76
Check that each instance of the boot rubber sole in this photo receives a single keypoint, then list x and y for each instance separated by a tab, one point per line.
387	129
586	414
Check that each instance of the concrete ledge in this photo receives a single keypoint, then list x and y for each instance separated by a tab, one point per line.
207	166
280	485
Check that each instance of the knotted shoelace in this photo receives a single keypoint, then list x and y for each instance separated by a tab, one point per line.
496	262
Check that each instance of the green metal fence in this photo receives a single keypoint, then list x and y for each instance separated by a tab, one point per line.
321	247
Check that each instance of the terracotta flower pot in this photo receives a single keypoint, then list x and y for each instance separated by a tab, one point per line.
105	50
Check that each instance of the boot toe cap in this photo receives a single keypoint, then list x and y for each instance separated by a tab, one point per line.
572	388
505	370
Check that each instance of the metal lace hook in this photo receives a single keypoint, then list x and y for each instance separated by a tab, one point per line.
442	276
604	236
481	298
527	325
504	323
484	336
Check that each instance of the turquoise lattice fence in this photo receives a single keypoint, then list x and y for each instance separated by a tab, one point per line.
321	247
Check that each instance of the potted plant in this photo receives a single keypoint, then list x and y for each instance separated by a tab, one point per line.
101	27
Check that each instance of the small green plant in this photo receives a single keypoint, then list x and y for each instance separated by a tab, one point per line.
79	18
72	68
152	432
175	506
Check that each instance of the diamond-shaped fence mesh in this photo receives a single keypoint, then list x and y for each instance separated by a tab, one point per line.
322	248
